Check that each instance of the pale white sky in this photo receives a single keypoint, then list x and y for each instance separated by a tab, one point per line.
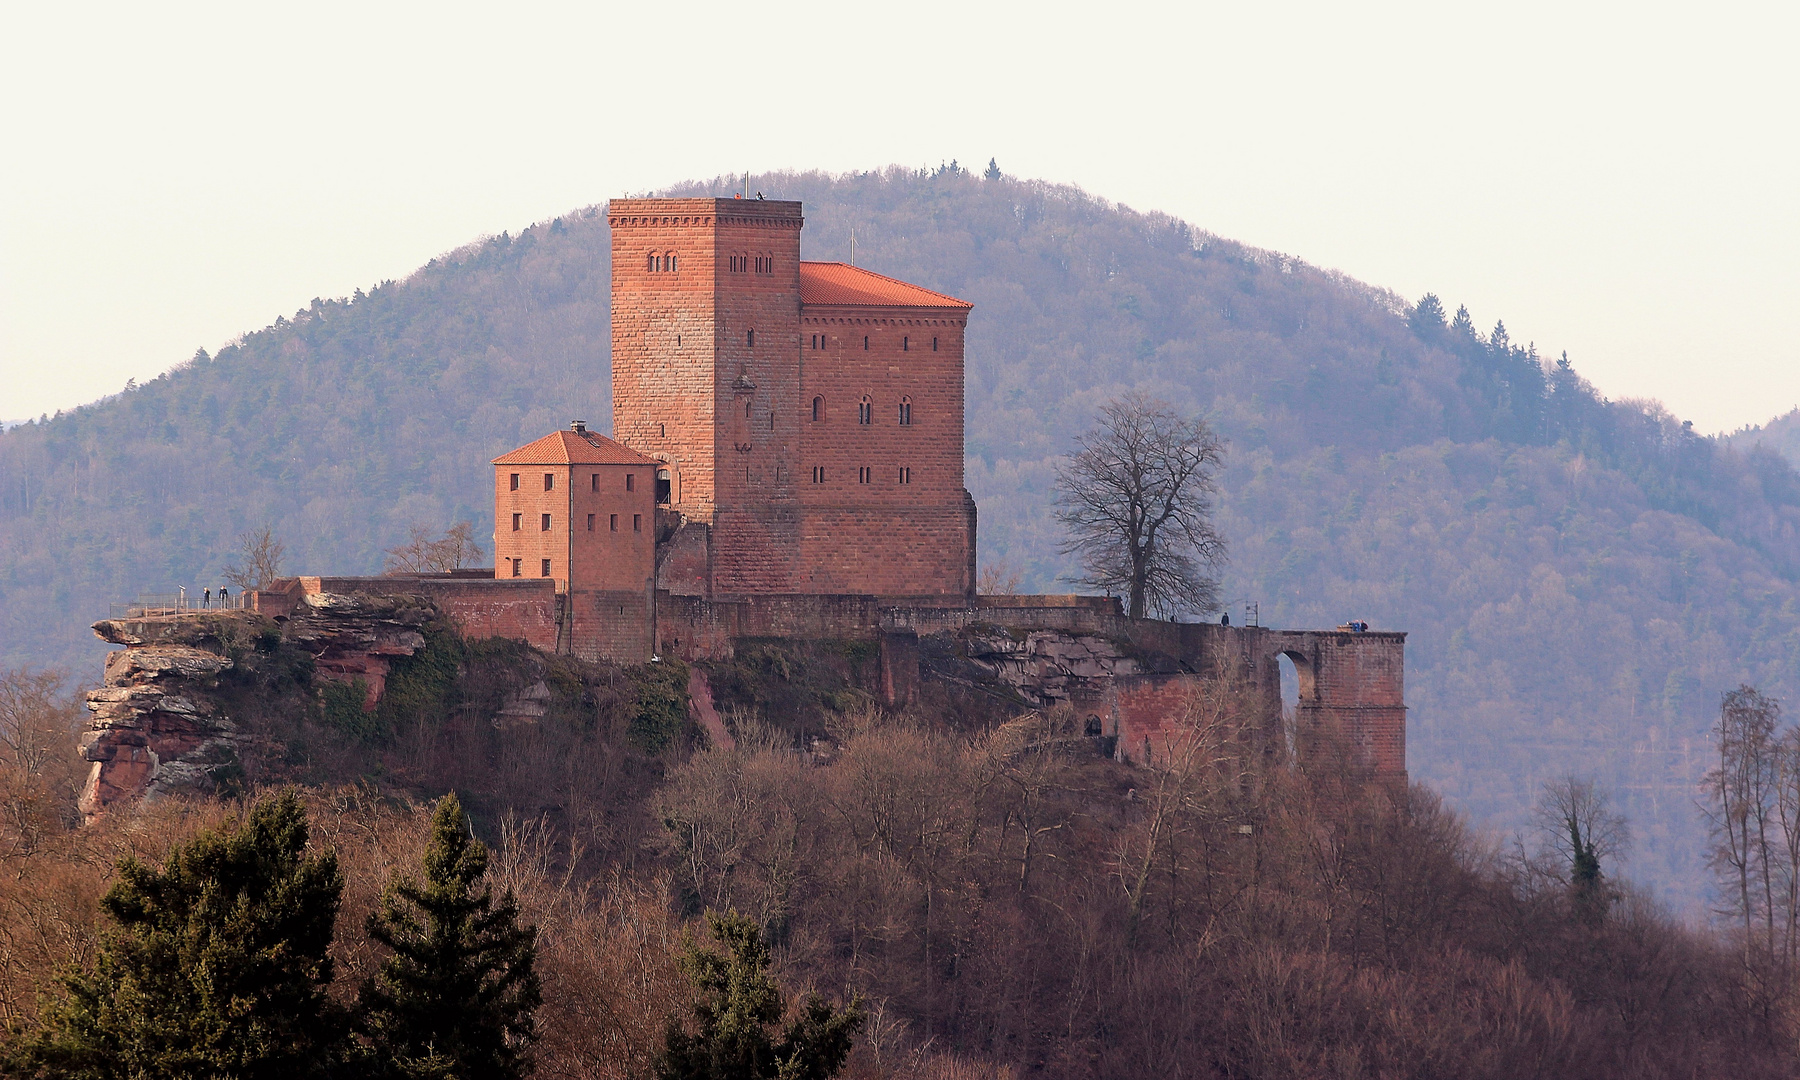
1617	180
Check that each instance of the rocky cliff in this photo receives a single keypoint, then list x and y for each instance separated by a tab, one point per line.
169	715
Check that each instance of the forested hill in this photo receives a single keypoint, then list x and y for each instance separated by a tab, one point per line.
1581	578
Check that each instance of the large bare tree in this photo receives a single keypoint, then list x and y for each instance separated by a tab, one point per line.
1136	498
259	555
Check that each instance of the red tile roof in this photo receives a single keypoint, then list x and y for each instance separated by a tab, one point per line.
574	448
835	283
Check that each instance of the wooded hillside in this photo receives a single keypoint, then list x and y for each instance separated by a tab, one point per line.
1581	578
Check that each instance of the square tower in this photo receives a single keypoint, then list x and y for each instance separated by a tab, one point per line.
706	344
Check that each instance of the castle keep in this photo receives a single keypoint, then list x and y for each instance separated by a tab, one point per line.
786	462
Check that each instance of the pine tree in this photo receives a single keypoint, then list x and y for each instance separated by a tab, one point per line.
457	997
993	170
1427	317
217	965
739	1009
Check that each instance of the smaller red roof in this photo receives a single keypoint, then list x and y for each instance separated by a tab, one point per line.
574	448
836	283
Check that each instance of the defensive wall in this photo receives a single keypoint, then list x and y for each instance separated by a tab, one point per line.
1138	681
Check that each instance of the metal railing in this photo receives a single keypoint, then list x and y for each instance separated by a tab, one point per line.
178	603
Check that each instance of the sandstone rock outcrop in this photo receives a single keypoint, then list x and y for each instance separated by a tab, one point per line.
163	720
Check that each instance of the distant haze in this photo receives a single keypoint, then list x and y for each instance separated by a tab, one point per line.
1614	180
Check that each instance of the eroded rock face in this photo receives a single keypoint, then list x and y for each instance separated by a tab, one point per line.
160	722
155	724
1048	666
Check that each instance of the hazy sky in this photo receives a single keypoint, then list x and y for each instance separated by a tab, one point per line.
1617	180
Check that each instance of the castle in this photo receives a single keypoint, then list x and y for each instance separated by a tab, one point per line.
787	462
781	428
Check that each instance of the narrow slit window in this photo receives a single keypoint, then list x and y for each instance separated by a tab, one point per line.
905	343
865	411
612	524
750	338
906	412
865	343
818	409
590	523
593	481
631	481
934	344
517	520
905	474
818	474
637	523
864	474
662	431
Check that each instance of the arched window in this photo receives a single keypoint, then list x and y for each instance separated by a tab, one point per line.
650	265
865	411
818	408
672	267
750	338
905	344
865	343
905	411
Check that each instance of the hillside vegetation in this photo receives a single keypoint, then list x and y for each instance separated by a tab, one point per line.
1581	578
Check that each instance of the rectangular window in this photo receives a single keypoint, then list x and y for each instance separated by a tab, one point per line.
613	524
905	344
517	520
905	474
594	482
637	523
545	527
631	481
818	474
549	481
590	523
515	481
934	344
545	571
863	474
518	566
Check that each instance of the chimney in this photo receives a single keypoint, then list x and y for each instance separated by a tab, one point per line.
579	427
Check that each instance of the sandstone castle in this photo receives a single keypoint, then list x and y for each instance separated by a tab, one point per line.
786	461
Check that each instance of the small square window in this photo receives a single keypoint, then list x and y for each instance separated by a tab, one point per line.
518	519
545	571
590	527
515	481
545	526
637	523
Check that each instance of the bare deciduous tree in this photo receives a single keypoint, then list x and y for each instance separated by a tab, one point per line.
1581	831
1137	501
39	770
1753	807
259	555
421	554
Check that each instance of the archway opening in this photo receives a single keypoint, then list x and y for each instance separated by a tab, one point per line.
1292	690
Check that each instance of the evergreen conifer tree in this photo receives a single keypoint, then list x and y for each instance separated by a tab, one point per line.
738	1010
457	998
216	967
993	170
